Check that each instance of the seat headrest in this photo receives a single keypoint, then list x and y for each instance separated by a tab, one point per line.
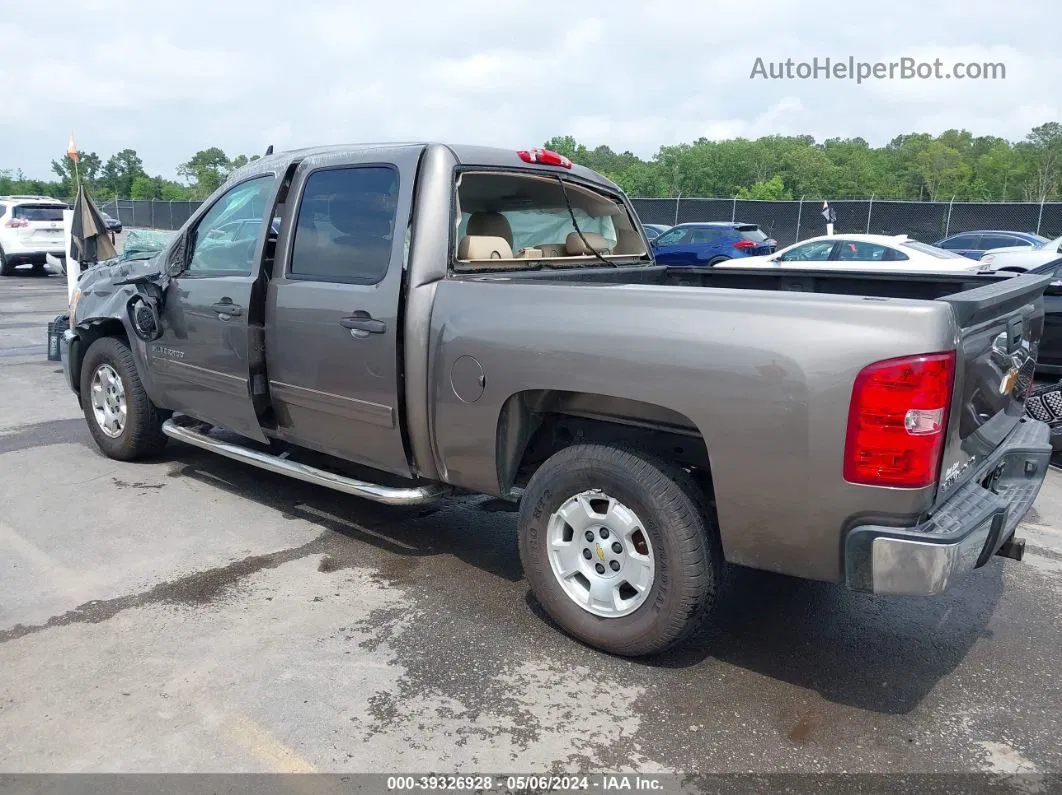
575	246
490	224
480	247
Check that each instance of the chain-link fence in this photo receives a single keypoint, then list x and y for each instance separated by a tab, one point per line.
785	221
150	213
789	221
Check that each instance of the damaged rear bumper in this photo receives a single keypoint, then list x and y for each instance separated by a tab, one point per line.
960	535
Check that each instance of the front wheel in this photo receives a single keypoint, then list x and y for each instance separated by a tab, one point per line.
617	548
123	421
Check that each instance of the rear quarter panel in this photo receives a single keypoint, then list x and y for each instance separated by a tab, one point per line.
765	377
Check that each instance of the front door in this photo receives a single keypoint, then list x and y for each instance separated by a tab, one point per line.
202	360
332	349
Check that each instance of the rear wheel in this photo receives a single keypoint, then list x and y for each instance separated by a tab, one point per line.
718	261
6	268
124	423
617	548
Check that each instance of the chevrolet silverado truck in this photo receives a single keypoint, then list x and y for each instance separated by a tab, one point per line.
402	322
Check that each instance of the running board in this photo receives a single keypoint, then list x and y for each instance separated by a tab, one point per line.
185	431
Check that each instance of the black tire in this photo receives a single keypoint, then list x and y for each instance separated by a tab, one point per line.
676	519
717	261
6	269
141	436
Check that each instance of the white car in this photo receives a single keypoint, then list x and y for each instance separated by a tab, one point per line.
1019	259
31	228
896	253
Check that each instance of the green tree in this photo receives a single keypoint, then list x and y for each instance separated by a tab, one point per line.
206	170
771	190
88	167
120	172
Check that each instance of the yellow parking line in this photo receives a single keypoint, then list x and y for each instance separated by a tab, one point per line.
266	748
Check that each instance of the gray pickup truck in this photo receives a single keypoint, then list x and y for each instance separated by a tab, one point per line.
398	322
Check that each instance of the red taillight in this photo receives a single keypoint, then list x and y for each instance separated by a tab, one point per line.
898	421
15	223
544	157
744	244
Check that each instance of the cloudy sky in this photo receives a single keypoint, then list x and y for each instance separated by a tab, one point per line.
168	80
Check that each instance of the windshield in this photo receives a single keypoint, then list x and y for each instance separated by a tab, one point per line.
932	251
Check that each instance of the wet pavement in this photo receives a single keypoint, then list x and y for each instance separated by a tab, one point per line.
195	614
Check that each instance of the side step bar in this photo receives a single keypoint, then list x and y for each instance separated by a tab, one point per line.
190	431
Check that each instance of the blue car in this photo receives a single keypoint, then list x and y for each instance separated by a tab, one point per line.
711	243
975	244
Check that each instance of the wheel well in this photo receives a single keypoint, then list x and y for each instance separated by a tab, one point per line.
536	424
88	333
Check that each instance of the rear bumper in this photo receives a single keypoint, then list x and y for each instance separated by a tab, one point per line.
963	533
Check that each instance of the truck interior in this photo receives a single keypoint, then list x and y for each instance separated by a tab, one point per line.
514	221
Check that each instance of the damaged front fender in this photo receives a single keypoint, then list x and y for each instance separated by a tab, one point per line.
119	299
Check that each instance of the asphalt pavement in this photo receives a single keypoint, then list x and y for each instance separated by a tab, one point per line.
197	615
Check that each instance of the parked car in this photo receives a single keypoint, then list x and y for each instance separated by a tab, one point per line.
974	244
648	433
710	243
1021	258
653	231
31	228
113	225
863	252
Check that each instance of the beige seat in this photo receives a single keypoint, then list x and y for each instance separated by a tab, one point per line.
490	224
483	247
576	247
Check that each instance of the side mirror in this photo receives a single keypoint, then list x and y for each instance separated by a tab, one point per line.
177	259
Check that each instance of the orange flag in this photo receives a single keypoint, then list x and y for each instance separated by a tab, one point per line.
71	148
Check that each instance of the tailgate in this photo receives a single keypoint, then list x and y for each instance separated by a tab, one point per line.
1000	329
40	224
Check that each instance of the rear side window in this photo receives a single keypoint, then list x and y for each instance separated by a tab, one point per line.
39	212
1002	241
345	228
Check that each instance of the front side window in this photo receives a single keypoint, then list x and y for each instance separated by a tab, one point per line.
345	229
222	244
819	251
674	237
960	242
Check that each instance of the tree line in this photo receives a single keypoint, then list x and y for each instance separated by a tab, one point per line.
123	176
953	165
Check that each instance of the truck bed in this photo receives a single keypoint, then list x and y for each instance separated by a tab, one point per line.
914	286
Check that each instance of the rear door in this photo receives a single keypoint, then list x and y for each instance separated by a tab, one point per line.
333	322
211	331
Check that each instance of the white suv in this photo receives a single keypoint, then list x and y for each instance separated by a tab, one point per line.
31	227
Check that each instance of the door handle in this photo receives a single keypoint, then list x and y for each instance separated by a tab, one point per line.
227	308
364	323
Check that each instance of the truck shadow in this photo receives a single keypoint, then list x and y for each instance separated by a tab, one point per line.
874	653
466	527
882	654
